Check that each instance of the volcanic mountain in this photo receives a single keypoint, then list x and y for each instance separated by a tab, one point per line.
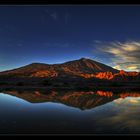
83	67
82	73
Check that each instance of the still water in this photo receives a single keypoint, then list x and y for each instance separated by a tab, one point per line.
69	112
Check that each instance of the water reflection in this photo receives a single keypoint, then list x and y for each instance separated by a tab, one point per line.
74	112
79	99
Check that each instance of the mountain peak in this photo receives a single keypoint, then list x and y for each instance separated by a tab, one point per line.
37	63
83	59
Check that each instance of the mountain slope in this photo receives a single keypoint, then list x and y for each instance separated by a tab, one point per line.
81	68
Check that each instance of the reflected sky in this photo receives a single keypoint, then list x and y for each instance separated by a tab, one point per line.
117	115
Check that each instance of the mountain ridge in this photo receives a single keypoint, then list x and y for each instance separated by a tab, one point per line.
75	67
83	67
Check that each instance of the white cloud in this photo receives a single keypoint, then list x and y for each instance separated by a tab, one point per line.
117	67
125	55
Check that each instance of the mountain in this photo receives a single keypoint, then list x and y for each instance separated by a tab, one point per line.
78	68
83	73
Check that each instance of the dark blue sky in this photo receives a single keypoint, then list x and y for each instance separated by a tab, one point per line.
55	34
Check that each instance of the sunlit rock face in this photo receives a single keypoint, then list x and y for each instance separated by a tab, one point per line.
113	76
45	73
122	75
105	75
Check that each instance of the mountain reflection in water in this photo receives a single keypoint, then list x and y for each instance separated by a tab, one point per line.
78	99
69	112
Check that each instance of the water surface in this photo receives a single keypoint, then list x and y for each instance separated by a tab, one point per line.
69	112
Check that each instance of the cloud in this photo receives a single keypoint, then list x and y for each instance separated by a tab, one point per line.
52	14
132	67
125	55
117	67
55	15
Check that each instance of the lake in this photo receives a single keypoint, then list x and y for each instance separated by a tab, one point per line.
69	112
